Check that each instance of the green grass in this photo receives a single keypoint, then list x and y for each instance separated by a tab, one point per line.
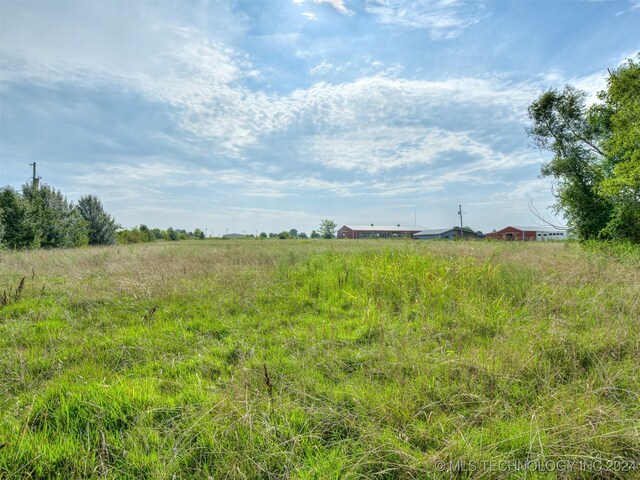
383	360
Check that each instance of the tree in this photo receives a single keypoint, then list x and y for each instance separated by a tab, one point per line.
263	235
146	233
134	235
314	234
57	222
181	234
41	217
623	190
293	233
560	126
172	234
327	228
101	226
283	235
302	235
18	231
596	155
620	112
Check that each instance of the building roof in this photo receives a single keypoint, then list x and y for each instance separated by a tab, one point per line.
536	228
436	231
386	228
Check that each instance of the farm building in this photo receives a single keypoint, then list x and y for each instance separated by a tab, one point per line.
529	234
376	231
446	234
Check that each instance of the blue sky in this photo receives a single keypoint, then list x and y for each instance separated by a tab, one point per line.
250	116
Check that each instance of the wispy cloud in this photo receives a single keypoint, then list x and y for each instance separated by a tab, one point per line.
634	5
338	5
212	104
322	68
443	19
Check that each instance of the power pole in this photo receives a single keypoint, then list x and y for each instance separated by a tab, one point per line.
461	227
34	180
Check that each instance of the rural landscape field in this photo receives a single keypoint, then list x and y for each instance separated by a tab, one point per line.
320	359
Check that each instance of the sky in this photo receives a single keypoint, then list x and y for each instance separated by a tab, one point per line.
250	116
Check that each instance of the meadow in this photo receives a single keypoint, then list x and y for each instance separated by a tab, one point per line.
320	360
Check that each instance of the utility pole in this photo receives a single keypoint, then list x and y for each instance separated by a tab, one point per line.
34	180
461	227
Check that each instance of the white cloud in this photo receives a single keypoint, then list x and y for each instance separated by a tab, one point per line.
591	84
443	19
213	105
529	190
286	185
322	68
633	6
203	80
372	124
338	5
310	16
136	37
219	109
156	177
594	82
383	149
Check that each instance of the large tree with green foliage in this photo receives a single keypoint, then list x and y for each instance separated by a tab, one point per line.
328	228
18	229
101	226
57	222
620	114
596	154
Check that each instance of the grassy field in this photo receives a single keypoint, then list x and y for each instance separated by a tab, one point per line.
320	359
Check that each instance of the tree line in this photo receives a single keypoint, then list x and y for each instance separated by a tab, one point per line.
596	162
143	234
327	229
39	216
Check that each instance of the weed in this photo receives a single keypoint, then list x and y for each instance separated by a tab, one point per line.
12	295
150	313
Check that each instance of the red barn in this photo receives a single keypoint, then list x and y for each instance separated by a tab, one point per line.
528	234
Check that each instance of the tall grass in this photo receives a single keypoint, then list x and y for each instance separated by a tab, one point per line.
338	359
